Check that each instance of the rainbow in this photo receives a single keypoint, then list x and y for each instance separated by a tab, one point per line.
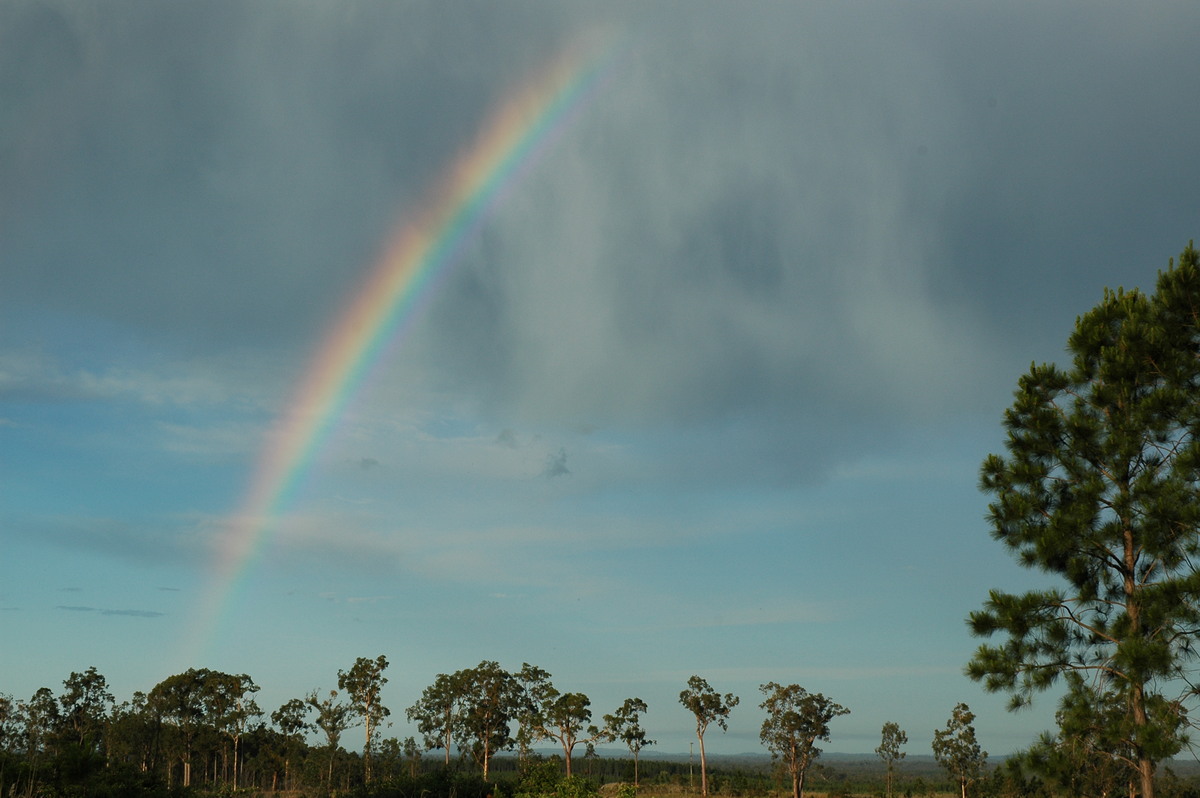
422	248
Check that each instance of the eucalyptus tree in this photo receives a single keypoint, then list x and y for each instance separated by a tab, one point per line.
364	683
891	739
490	702
412	754
565	717
708	706
179	700
1100	486
230	706
291	719
536	690
134	734
333	718
436	712
796	720
625	725
957	750
86	705
42	719
9	723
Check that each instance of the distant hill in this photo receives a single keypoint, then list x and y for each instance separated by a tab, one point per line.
860	765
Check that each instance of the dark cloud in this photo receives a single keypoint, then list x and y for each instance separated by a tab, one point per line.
808	223
556	465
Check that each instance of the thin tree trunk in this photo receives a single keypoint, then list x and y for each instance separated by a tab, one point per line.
367	748
1145	765
703	769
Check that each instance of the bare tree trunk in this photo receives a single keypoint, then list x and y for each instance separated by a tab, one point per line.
703	769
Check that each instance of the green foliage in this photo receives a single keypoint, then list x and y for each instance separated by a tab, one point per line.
708	706
892	737
364	683
957	750
625	725
1100	486
796	720
543	779
489	702
436	712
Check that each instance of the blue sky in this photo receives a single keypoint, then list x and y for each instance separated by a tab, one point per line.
707	395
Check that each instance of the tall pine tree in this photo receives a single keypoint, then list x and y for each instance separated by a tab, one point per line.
1100	486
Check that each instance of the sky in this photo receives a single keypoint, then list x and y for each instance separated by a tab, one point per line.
704	390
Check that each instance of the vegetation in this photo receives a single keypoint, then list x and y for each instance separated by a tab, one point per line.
708	706
892	738
625	725
796	720
957	750
205	724
1100	486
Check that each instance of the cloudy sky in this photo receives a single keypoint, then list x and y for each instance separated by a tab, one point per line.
706	394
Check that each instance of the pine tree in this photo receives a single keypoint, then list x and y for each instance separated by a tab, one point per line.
1101	487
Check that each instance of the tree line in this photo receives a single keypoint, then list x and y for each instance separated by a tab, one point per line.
204	728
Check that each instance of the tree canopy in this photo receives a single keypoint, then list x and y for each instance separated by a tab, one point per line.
1100	487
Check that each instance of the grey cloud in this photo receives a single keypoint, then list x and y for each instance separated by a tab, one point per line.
167	541
808	223
556	465
128	613
747	225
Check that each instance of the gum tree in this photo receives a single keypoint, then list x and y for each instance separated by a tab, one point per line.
436	712
708	706
957	750
490	702
891	739
796	720
363	684
86	704
1100	487
625	725
292	721
565	717
333	718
